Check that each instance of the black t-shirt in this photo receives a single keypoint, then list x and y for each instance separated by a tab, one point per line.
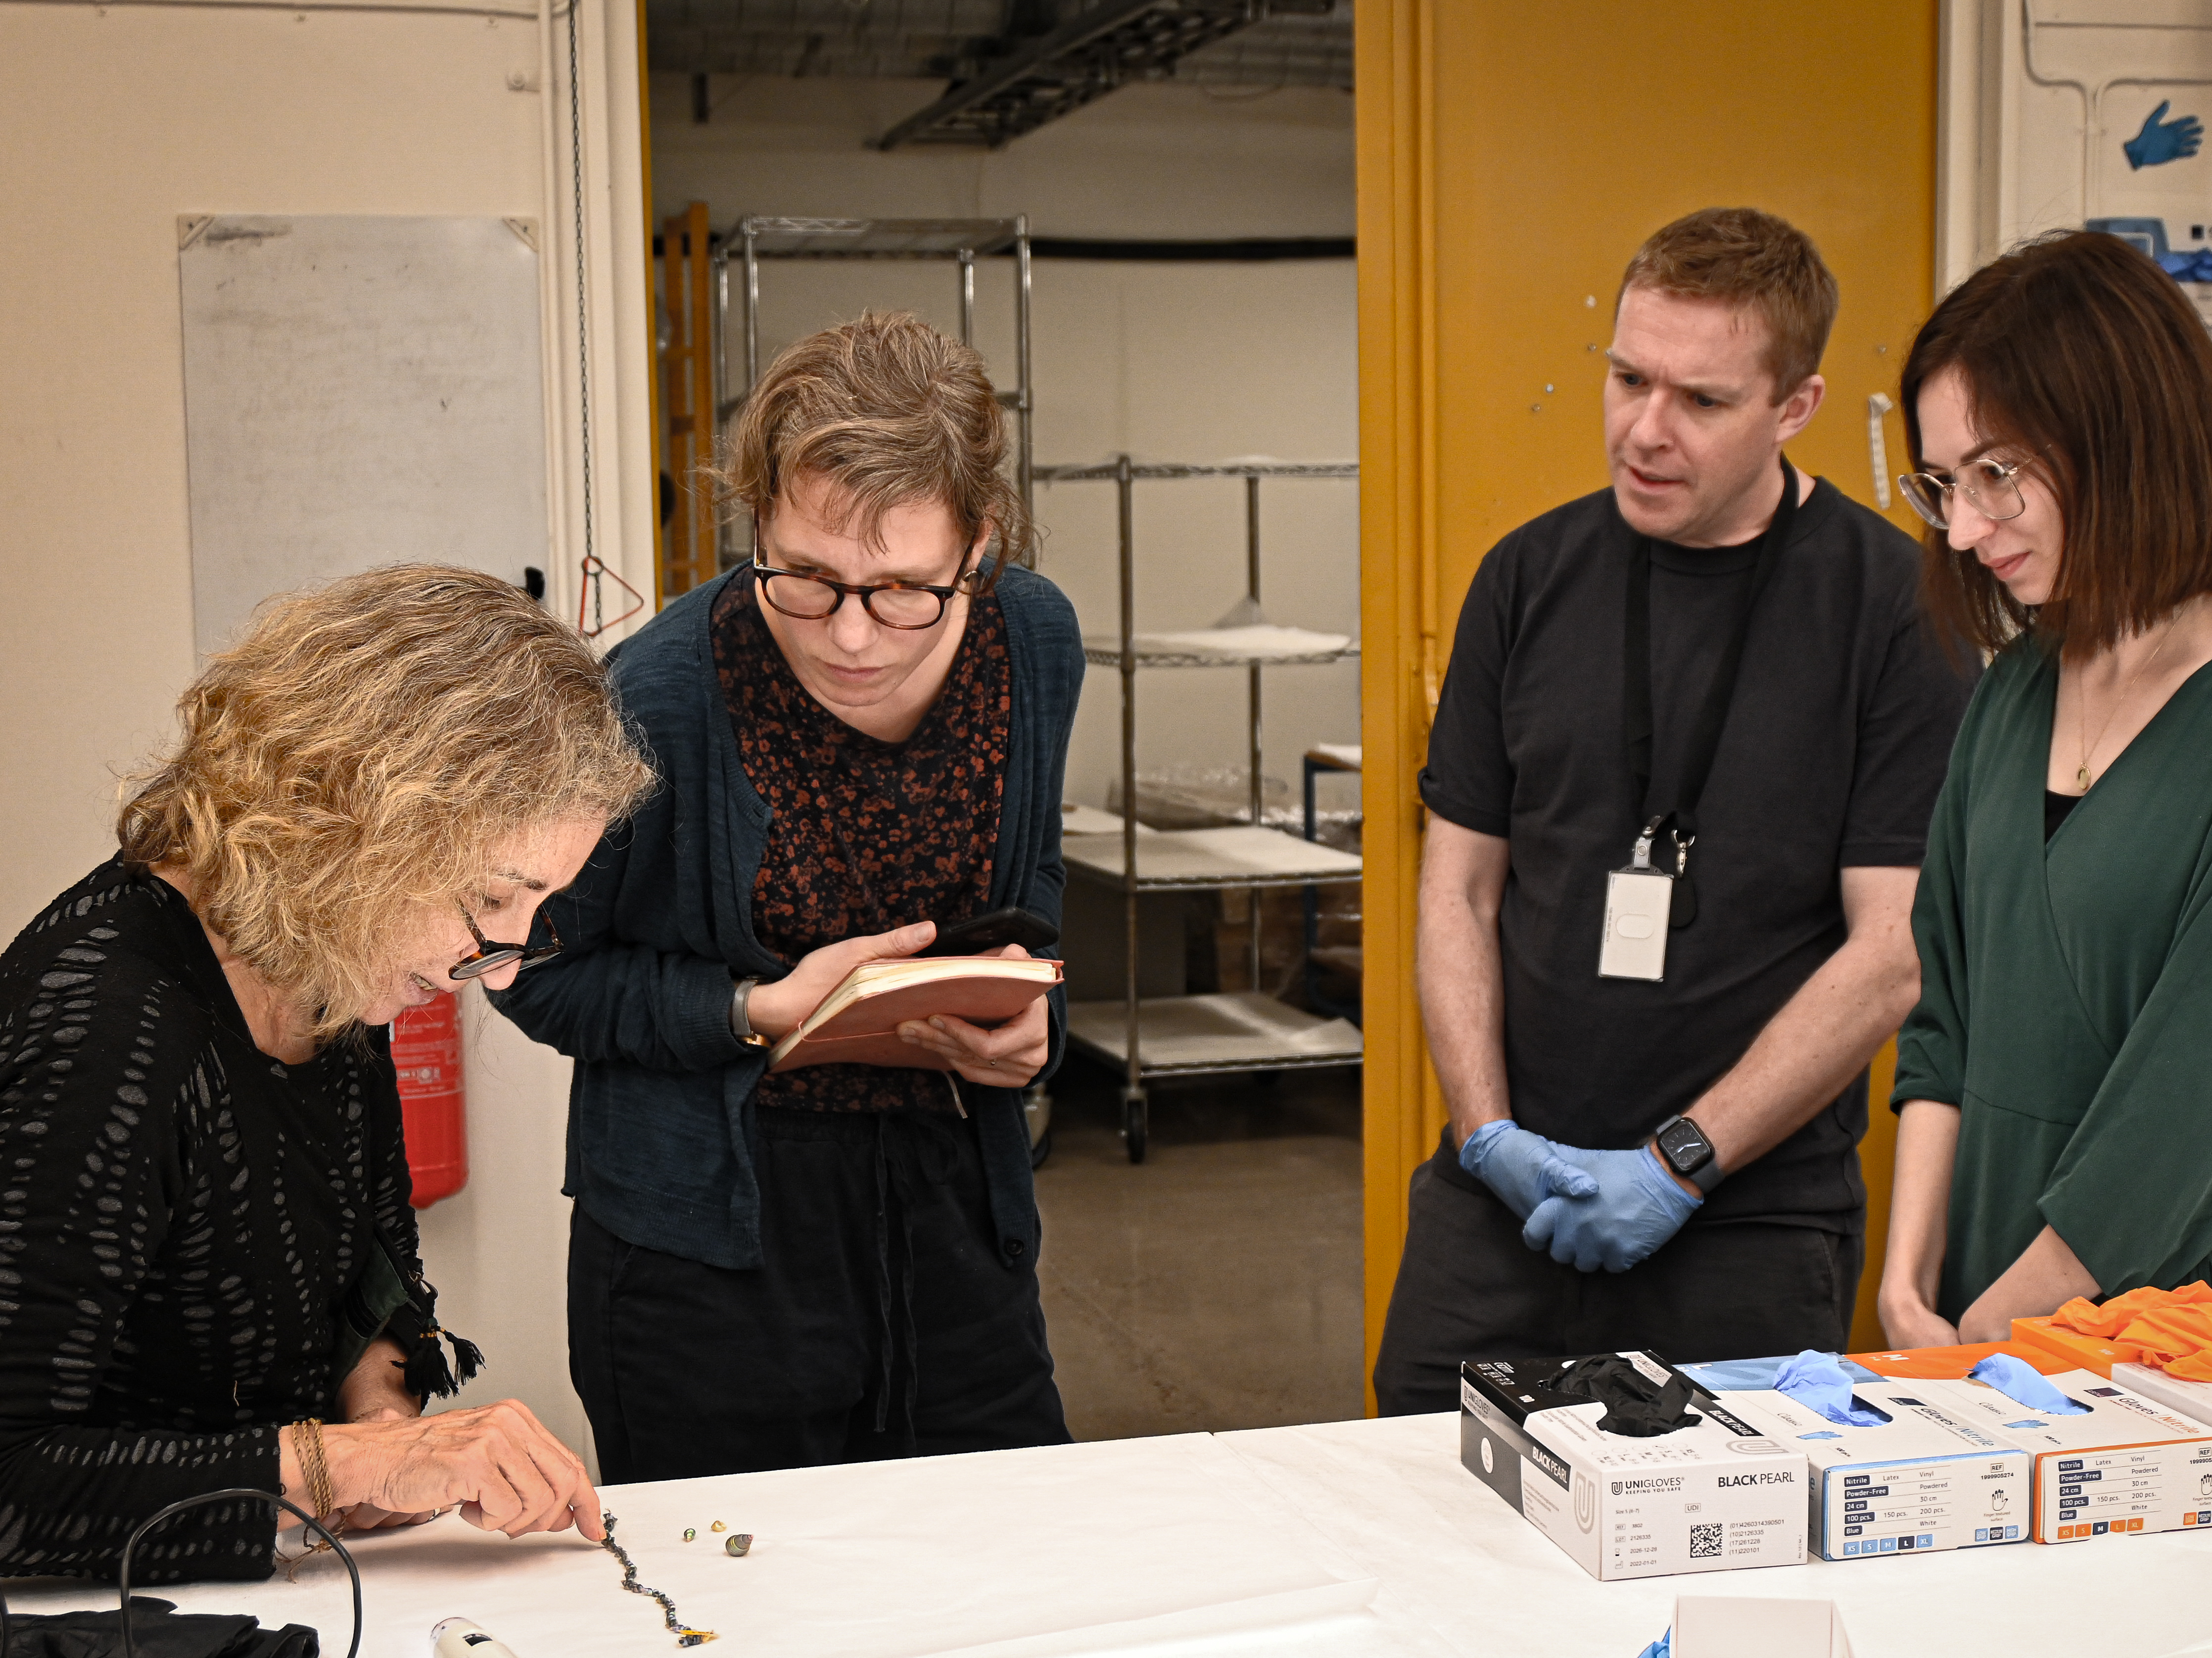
1835	745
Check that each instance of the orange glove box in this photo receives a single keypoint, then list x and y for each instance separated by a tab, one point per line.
1953	1364
2078	1351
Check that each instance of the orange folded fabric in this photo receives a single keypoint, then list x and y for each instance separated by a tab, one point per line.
2195	1367
2167	1335
2108	1321
2173	1329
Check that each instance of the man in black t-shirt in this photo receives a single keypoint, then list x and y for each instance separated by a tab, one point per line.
1656	1101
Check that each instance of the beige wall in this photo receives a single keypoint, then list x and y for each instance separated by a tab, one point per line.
114	121
1194	362
2036	103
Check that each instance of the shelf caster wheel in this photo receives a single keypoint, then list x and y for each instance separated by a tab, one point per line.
1136	1124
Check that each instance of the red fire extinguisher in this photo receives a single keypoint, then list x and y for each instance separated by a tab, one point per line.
426	1051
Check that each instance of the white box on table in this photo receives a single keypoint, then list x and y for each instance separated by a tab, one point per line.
1711	1496
1926	1479
2190	1399
2129	1465
1715	1628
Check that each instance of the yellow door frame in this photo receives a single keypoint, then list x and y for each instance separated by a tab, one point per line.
1401	661
1508	163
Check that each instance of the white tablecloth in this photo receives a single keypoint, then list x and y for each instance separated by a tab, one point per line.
1352	1540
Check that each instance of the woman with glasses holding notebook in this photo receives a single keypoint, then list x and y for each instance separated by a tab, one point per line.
208	1271
2053	1139
863	732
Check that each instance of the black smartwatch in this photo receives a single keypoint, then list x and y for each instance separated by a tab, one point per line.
1687	1150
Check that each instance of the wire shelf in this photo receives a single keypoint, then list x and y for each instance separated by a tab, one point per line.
874	239
1194	1035
1107	471
1199	859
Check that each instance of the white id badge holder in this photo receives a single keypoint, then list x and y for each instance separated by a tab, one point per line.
1640	901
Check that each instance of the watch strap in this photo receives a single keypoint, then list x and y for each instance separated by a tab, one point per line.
740	1025
1705	1175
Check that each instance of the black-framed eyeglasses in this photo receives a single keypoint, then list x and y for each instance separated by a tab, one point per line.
908	606
490	957
1992	485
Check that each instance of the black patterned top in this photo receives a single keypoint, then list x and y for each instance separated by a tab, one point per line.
181	1217
867	835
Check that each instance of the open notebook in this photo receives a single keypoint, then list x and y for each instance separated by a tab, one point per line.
857	1024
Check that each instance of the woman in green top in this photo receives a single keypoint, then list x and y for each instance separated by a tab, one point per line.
2055	1082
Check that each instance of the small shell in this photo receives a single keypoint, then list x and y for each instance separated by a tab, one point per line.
740	1544
719	1526
690	1531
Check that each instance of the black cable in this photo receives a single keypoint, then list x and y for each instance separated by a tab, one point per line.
328	1536
583	329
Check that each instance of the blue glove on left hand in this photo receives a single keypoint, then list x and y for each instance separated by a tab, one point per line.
1637	1207
1523	1169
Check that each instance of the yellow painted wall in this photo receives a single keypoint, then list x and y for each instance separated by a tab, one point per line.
1511	160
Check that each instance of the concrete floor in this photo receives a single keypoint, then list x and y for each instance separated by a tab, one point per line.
1217	1285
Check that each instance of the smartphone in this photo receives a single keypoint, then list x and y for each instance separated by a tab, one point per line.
997	930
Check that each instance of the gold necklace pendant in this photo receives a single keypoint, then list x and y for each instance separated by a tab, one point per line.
2089	743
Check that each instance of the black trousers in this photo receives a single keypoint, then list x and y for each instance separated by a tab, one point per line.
881	1323
1469	1288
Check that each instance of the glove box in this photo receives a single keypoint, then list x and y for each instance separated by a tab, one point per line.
1711	1494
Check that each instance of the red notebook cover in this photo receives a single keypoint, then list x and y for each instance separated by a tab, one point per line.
866	1033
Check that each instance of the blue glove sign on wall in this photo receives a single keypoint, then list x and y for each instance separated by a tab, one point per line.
2162	140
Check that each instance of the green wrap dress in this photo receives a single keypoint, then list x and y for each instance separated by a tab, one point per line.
2066	992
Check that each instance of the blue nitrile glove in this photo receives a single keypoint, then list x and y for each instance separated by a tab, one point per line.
2021	1383
1817	1381
1636	1208
1522	1167
1744	1375
1660	1648
2162	140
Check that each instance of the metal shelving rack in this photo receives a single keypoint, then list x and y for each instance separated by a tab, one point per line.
756	237
1202	1035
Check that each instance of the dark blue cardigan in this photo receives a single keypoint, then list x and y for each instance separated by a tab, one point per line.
660	1112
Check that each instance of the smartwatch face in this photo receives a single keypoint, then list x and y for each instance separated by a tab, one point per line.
1686	1148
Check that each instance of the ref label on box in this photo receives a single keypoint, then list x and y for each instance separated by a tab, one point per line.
1926	1479
1712	1495
2126	1465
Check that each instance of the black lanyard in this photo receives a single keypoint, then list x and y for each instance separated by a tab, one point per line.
1681	815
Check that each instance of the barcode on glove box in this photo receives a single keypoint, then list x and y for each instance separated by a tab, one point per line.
1704	1542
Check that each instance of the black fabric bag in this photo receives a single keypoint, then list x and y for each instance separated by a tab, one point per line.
158	1629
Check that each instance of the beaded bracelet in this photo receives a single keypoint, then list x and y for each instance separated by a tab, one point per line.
686	1637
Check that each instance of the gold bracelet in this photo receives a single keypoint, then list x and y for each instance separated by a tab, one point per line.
315	1468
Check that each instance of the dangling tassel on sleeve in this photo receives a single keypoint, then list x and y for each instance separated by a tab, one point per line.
425	1372
427	1375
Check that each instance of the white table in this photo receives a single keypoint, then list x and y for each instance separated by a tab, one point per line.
1352	1540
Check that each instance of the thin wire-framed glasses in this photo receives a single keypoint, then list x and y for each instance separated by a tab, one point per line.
1992	485
490	957
908	606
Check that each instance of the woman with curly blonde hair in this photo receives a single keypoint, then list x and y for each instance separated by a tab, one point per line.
206	1243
